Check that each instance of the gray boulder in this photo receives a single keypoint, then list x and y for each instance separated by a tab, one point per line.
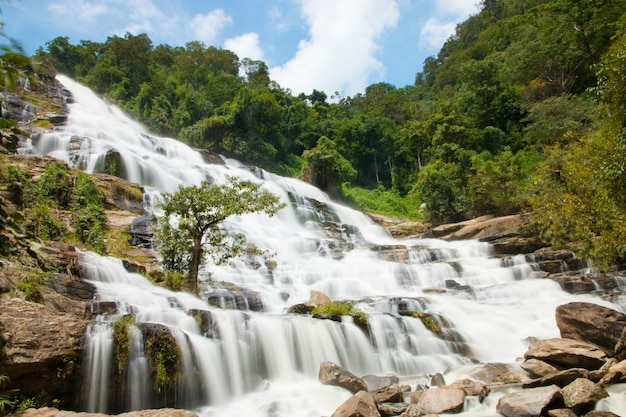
567	353
532	402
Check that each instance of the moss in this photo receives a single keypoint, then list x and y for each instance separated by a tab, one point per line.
164	358
43	123
342	308
429	321
121	342
31	290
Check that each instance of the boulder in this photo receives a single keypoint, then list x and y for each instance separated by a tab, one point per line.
530	402
615	374
561	412
537	368
582	395
592	323
567	353
376	382
390	394
497	374
559	379
441	400
392	409
359	405
318	298
333	374
471	388
598	413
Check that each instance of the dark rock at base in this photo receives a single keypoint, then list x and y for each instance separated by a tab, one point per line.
392	409
389	394
593	323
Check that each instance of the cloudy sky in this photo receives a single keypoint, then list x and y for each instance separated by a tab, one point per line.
331	45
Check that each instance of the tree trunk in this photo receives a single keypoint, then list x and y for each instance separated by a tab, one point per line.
196	256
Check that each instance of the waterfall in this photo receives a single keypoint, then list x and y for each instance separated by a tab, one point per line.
256	363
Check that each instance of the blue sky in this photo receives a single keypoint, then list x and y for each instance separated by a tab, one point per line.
330	45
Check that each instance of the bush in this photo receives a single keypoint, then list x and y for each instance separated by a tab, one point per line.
342	308
90	226
382	201
56	183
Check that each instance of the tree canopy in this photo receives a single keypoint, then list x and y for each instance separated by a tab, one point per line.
191	225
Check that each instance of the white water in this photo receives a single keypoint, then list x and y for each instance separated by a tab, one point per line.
267	362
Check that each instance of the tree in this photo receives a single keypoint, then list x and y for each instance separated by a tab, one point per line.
191	222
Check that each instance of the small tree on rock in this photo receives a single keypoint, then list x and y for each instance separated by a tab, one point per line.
190	227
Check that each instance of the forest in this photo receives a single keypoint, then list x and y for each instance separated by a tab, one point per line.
523	110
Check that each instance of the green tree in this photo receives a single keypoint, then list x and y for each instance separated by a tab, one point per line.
326	167
192	217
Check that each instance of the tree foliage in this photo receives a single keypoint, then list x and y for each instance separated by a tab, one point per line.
192	223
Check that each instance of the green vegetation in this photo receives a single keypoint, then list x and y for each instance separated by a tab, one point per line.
429	321
5	401
121	342
164	359
198	212
342	308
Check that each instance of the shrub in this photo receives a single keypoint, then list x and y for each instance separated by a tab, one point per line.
342	308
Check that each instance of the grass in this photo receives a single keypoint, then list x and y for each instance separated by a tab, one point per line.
382	201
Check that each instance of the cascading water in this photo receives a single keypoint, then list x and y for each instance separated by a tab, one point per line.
266	362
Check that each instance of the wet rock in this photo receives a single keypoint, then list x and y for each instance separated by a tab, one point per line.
207	324
375	382
318	298
141	232
98	308
615	374
359	405
300	309
437	380
392	409
567	353
582	394
593	323
233	297
537	368
389	394
471	388
498	374
441	400
559	379
333	374
529	402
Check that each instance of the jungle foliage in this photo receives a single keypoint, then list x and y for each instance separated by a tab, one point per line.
521	110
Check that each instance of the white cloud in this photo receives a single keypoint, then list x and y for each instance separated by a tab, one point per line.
207	27
245	46
340	53
80	10
457	8
435	32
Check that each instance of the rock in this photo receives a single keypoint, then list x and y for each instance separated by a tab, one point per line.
471	388
582	394
437	380
530	402
376	382
141	232
497	374
392	409
206	322
538	368
333	374
300	309
318	298
598	413
567	353
53	412
559	379
41	348
561	412
359	405
388	394
592	323
620	346
615	374
226	295
441	400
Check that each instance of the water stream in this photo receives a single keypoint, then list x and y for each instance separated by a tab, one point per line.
260	363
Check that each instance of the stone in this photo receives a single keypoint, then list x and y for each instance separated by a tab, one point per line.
559	379
561	412
359	405
582	394
471	388
538	368
497	374
530	402
388	394
376	382
53	412
333	374
318	298
592	323
441	400
392	409
598	413
437	380
567	353
615	374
